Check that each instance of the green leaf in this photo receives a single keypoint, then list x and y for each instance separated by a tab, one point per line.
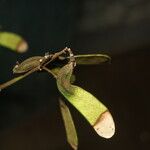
13	41
69	125
90	59
89	106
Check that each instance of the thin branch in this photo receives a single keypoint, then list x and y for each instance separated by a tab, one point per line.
49	71
56	55
14	80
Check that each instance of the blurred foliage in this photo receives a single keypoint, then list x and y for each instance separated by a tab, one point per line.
13	42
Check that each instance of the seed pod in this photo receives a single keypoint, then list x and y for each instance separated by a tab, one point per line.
89	59
89	106
28	64
69	125
13	41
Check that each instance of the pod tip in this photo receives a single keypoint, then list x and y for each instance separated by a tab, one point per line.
22	46
105	126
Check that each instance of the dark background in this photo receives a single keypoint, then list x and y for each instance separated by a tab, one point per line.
30	118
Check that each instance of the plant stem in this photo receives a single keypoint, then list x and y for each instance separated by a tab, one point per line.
49	71
14	80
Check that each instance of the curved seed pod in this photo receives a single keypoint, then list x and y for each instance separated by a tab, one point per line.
69	125
13	41
90	59
28	64
90	107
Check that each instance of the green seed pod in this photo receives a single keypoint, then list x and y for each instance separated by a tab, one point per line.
56	70
13	41
89	106
89	59
28	64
